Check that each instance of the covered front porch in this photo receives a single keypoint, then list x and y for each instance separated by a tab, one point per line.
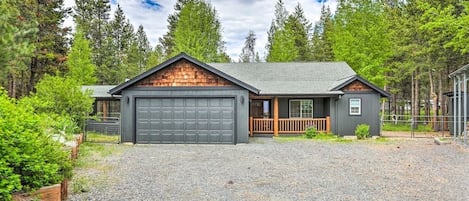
288	115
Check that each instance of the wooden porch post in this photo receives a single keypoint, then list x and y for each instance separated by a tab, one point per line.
251	121
276	116
328	124
104	109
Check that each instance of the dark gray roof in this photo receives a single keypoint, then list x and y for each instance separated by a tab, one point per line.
293	78
99	91
312	78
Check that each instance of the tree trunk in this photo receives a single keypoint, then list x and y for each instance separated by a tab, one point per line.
440	106
434	98
414	102
32	74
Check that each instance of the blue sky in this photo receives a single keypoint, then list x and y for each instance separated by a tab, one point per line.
236	16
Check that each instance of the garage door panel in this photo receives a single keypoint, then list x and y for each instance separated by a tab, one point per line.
201	103
214	126
227	103
179	125
202	138
179	114
202	125
227	115
227	126
215	115
185	120
202	114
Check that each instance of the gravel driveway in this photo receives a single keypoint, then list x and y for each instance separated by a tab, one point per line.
301	170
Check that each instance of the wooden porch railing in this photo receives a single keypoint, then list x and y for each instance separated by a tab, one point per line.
261	125
287	126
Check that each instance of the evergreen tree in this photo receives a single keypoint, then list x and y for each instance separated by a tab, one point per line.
156	57
301	28
321	40
248	53
80	66
278	22
17	32
143	48
92	16
51	42
167	41
198	32
283	47
119	40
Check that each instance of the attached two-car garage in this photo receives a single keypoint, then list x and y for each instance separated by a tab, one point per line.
184	101
185	120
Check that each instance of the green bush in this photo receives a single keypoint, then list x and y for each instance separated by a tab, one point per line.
362	131
30	159
61	96
311	132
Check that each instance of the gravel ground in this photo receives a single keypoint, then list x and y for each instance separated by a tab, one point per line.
301	170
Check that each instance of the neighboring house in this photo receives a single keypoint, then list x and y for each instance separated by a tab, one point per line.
459	105
106	110
184	100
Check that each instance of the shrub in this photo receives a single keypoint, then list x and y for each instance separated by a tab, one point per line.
30	159
362	131
311	132
61	96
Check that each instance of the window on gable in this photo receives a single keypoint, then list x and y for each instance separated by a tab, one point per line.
301	108
355	105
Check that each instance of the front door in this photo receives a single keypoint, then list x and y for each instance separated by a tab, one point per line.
260	108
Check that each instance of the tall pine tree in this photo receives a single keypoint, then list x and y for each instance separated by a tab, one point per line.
301	29
143	48
198	32
17	32
119	41
321	40
51	42
93	16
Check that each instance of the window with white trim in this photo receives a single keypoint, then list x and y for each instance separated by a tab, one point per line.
355	105
301	108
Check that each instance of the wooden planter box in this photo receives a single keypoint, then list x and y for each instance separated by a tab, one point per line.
74	153
48	193
64	190
57	192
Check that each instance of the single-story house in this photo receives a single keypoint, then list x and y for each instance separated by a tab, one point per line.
184	100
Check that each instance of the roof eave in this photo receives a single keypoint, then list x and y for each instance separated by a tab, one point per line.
383	93
327	94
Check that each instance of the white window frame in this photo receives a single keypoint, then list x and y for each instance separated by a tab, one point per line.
354	106
301	113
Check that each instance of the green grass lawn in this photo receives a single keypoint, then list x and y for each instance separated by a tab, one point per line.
319	137
101	138
324	137
406	127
